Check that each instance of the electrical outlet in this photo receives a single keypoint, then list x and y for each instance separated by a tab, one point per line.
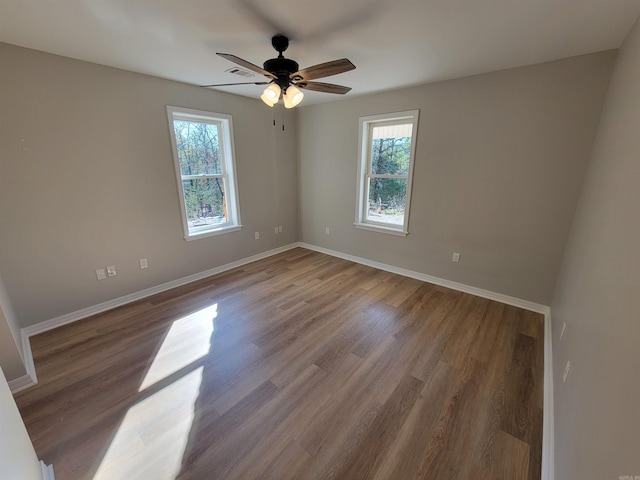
275	230
143	263
101	274
280	229
564	327
326	231
566	371
455	257
111	271
257	235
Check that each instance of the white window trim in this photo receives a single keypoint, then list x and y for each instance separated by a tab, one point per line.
229	157
363	164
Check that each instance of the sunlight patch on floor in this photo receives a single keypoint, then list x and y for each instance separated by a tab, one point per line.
154	433
188	340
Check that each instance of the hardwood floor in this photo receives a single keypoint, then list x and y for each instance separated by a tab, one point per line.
298	366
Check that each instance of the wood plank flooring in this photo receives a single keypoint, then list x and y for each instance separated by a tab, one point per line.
298	366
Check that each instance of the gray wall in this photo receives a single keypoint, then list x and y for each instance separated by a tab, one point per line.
87	180
597	412
499	164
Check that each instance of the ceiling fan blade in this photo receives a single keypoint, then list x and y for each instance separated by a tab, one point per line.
229	84
324	87
245	64
323	70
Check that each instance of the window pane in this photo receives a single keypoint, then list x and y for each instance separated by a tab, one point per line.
198	147
387	199
391	149
205	202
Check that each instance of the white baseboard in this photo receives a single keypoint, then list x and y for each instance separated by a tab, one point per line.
27	332
461	287
20	383
547	425
548	468
132	297
47	471
30	378
547	436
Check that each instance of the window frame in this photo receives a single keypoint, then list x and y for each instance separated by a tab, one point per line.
228	170
366	125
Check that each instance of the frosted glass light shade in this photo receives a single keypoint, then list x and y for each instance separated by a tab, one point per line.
271	94
292	96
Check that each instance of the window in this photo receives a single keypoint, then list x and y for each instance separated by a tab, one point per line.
387	147
205	170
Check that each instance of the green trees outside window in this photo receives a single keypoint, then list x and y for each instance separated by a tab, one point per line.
387	149
388	183
202	181
203	154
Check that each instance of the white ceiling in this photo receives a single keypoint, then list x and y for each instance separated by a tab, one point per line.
393	43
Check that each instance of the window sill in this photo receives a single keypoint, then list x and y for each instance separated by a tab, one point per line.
381	229
211	233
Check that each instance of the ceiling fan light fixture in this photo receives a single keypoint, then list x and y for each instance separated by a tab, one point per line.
284	74
271	94
292	96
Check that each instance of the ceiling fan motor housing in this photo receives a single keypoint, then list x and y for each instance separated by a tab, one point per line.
282	68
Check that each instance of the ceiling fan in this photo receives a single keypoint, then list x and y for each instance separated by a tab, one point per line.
285	77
